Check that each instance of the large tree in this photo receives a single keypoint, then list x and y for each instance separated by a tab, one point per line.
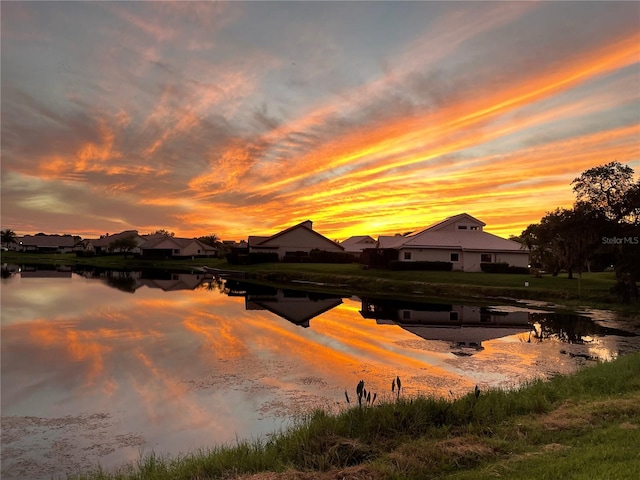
607	207
565	238
606	188
125	245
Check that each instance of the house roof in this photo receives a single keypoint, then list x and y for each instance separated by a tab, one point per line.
357	240
256	239
437	236
53	241
358	243
394	241
466	240
449	221
108	239
176	241
261	241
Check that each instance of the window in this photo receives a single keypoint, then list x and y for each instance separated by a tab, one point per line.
462	227
474	227
453	315
406	314
407	255
176	251
485	258
455	257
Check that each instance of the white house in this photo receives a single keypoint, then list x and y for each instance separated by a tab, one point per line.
461	240
167	247
293	242
102	245
358	243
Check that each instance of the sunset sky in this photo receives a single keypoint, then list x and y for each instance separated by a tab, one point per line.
243	118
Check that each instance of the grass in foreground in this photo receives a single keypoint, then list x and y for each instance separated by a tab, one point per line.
582	426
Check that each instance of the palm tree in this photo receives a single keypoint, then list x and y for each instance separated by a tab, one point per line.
9	236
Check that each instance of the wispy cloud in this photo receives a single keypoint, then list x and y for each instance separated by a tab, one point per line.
241	118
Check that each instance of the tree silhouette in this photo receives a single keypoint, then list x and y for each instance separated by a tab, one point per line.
9	236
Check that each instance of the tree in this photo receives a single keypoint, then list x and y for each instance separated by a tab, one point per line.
565	239
164	232
631	205
9	236
211	239
601	228
125	245
605	188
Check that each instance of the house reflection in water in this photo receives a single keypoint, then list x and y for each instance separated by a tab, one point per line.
172	281
130	281
296	306
46	271
465	327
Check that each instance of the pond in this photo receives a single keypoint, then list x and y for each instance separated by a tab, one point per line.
104	367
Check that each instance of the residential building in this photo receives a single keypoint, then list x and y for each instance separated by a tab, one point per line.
294	241
102	245
459	239
168	247
45	243
358	243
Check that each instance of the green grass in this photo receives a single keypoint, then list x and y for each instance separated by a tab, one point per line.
107	261
582	426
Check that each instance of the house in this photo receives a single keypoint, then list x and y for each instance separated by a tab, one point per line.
42	243
167	247
294	242
461	240
101	245
358	243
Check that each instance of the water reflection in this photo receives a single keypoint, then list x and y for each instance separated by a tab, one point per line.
295	306
100	365
463	326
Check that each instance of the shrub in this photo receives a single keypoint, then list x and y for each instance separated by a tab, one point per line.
502	267
323	256
256	257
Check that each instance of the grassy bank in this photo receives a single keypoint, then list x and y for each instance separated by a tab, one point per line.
589	289
582	426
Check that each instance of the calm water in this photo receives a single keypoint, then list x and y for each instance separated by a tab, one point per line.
106	367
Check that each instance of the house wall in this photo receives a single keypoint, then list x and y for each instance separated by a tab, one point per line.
432	255
300	239
44	249
468	261
463	222
193	249
472	260
461	315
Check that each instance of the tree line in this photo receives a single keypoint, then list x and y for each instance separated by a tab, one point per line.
601	231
